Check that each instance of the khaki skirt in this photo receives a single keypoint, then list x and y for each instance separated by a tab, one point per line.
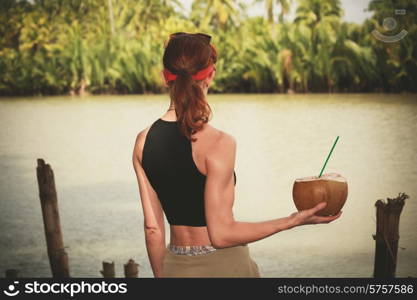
224	262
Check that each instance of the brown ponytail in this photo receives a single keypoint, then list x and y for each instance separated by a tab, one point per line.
185	56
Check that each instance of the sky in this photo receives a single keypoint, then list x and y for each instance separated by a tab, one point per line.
354	9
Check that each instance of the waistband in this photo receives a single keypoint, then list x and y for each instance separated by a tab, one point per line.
191	250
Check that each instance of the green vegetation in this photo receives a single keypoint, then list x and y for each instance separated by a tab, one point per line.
107	46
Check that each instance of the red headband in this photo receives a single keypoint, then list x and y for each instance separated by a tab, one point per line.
197	76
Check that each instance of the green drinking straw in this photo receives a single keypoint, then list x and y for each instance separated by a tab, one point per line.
328	156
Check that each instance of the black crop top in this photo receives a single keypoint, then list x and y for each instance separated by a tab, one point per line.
169	166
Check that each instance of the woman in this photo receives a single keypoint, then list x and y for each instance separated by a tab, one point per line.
185	169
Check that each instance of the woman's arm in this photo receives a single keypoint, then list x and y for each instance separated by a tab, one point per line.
154	226
223	230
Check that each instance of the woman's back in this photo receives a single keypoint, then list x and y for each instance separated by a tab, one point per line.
176	169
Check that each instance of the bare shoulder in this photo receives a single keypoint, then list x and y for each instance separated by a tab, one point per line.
139	143
216	137
223	144
141	136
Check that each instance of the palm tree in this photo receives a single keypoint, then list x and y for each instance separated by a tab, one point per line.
218	12
397	60
285	6
323	18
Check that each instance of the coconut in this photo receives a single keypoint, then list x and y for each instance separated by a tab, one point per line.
331	188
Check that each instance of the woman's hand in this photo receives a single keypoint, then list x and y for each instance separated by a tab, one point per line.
308	216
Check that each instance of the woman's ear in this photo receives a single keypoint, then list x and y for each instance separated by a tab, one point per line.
207	82
210	78
164	82
212	74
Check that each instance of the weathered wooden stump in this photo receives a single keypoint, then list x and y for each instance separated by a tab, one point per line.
131	269
58	258
387	235
108	270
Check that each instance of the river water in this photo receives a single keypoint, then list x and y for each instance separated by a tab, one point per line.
88	142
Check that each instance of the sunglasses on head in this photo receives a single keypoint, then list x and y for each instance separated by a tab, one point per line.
206	37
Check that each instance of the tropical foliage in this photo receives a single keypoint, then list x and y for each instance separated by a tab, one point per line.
107	46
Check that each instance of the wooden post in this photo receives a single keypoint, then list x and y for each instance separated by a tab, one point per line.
131	269
12	273
58	258
387	235
108	270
